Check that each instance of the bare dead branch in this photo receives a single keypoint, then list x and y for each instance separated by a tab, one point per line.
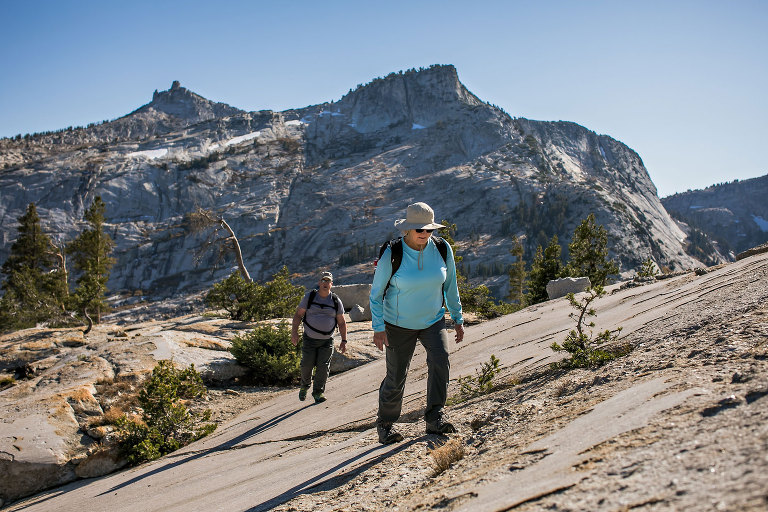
202	219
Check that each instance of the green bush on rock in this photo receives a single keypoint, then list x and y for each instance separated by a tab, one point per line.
166	424
268	352
586	350
249	301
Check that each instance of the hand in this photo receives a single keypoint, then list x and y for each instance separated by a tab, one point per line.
380	339
459	332
295	338
343	347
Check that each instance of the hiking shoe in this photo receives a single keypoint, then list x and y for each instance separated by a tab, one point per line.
303	394
441	426
319	398
387	433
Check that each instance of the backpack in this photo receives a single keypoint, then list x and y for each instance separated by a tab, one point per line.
311	300
396	245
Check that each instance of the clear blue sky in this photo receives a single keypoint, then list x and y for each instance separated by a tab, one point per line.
681	82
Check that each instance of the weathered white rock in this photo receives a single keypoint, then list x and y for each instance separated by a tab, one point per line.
102	462
357	314
561	287
47	433
355	295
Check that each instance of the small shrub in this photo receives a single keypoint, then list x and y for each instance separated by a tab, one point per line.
268	352
165	424
235	295
290	145
586	351
477	299
471	386
648	269
250	301
588	252
445	455
279	298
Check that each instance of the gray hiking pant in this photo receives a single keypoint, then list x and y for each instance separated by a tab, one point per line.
315	355
402	343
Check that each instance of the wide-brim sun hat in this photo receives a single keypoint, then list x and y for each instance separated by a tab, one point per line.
418	216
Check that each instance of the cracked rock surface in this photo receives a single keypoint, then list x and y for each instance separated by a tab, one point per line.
50	431
680	423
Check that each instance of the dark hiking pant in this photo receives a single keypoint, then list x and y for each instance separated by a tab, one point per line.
315	355
402	343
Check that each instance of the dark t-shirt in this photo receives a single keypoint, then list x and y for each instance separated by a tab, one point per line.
321	314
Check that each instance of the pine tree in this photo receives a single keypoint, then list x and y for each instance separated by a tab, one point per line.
32	288
589	254
32	248
447	233
279	297
90	256
546	266
517	273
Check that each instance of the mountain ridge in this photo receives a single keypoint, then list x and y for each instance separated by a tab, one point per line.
733	214
302	187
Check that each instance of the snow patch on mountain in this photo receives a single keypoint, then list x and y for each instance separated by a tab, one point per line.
761	223
235	140
150	154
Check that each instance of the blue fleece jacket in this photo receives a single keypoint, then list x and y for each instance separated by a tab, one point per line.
414	299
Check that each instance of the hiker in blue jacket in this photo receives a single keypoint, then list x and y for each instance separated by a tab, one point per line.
322	312
409	305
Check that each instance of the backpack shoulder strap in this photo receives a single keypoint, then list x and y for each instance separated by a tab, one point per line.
396	247
395	252
395	256
442	246
311	298
335	302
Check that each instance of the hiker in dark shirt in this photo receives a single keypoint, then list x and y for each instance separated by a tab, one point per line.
321	311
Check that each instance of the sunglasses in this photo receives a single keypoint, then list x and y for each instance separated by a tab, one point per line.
423	230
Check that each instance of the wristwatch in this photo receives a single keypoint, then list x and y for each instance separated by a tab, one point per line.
343	341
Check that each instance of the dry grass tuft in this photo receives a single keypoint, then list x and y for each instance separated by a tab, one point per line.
113	414
117	396
447	454
564	387
81	395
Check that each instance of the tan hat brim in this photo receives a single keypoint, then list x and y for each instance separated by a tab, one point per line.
403	225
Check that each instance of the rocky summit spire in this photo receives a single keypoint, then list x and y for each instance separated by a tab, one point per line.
414	97
184	104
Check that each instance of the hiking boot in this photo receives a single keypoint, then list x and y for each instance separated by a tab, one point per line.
387	433
441	426
303	394
319	398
